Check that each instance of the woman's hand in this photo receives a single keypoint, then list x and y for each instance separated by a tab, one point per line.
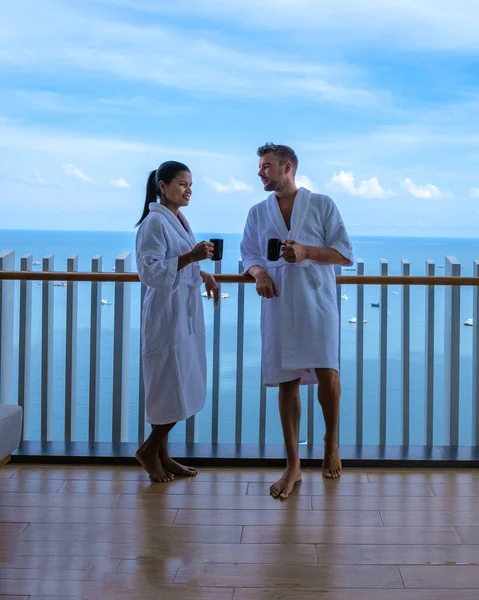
202	251
211	286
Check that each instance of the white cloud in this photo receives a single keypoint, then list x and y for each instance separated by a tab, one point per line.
305	181
426	192
367	188
398	24
475	192
120	183
53	41
77	173
233	186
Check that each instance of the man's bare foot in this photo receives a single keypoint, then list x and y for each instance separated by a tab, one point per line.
331	461
152	465
284	486
174	467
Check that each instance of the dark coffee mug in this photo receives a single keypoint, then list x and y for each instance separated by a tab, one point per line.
274	249
218	249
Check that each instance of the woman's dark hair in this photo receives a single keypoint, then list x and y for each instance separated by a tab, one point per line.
166	172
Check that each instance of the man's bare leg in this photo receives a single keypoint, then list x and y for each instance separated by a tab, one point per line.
148	457
290	413
171	465
329	393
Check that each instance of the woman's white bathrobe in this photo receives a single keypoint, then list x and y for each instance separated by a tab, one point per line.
300	328
173	327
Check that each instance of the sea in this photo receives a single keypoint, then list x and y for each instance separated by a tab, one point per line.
63	244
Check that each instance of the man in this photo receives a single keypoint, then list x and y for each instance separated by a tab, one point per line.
299	312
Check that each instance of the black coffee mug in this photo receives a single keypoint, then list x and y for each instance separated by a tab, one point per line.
274	249
218	249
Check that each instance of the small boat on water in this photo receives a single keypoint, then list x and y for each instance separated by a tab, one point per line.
375	304
469	322
105	302
223	295
60	283
353	320
344	297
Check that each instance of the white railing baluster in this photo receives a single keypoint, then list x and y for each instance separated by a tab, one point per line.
141	384
47	353
25	346
429	355
383	360
405	353
121	352
360	357
95	348
71	352
475	361
7	298
311	403
216	365
239	361
452	311
337	271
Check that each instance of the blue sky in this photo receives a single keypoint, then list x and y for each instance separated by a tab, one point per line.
379	99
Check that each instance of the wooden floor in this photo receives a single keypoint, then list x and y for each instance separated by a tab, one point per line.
107	533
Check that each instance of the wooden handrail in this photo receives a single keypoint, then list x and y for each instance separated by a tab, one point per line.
228	278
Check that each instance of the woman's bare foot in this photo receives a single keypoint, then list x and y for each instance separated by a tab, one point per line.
284	486
331	461
152	465
174	467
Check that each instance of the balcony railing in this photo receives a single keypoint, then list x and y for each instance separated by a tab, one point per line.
25	314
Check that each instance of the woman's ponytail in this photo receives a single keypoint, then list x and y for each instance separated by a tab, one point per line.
151	196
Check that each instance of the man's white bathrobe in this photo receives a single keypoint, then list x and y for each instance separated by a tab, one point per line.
173	327
300	328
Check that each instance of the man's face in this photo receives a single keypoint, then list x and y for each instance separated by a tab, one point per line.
272	172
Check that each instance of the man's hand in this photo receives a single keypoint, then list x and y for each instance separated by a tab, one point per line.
211	286
265	285
294	252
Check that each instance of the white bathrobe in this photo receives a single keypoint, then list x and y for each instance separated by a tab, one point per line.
173	328
300	328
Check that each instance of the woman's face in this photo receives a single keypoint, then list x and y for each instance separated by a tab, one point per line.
178	192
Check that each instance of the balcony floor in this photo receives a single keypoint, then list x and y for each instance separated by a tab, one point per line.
107	533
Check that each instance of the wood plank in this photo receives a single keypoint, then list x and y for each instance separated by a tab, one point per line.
41	574
82	473
145	590
225	554
468	535
339	488
42	562
58	500
442	577
297	576
424	476
355	594
215	502
458	490
146	487
350	535
437	518
396	554
43	514
41	587
19	486
130	533
6	472
253	475
466	503
278	517
157	549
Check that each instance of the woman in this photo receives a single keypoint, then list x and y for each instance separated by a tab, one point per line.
173	328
